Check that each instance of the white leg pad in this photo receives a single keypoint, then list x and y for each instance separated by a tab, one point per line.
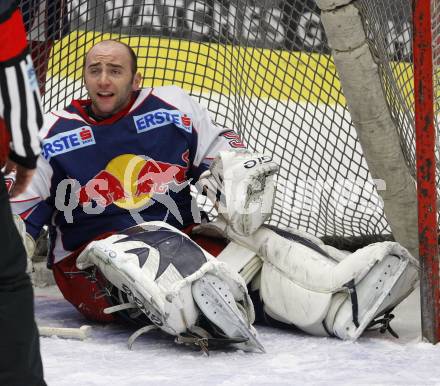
302	284
156	267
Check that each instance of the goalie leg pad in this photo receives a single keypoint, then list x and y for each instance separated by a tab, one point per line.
156	267
151	267
305	286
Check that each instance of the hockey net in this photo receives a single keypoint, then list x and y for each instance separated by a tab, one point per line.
263	68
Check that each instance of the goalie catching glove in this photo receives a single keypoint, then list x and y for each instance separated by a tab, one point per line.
176	284
242	186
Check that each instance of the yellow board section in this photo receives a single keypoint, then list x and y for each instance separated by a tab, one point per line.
225	69
203	67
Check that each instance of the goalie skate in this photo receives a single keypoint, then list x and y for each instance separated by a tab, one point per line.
386	285
217	303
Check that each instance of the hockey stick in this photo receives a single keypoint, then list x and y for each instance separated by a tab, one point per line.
80	333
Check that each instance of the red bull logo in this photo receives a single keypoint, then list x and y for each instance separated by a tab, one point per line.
129	181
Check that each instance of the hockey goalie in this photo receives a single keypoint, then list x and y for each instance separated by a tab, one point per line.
112	185
155	275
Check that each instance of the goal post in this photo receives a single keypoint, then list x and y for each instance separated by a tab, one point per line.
423	46
377	100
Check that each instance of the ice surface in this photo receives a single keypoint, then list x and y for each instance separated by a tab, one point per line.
292	358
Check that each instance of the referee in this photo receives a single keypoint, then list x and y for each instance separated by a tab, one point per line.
20	119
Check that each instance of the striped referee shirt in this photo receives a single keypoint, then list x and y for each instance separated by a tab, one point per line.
20	101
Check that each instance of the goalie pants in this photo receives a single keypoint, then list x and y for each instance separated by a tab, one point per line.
20	361
88	290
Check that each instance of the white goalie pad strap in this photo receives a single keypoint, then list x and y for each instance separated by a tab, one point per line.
246	186
335	254
160	283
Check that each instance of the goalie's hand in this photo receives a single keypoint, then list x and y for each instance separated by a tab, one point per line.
241	184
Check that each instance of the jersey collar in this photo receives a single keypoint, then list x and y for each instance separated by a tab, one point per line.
81	107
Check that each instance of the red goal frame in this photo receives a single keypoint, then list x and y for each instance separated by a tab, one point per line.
426	168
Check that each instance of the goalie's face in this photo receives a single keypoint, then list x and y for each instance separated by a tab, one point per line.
109	78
